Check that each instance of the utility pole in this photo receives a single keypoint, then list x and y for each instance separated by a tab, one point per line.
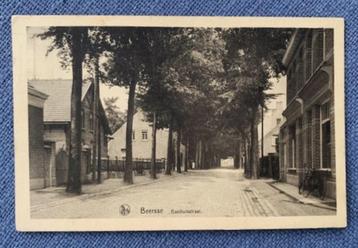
97	117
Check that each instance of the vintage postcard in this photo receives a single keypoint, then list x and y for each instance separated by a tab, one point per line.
127	123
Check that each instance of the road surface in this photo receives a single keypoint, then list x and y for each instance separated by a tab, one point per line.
203	193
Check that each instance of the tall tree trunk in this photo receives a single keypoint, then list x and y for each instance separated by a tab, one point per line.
204	155
128	171
74	171
245	155
95	117
237	155
198	154
186	164
178	151
254	163
154	144
168	168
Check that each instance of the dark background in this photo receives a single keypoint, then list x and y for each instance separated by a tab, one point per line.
254	239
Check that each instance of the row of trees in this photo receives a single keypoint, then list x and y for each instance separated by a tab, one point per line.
204	84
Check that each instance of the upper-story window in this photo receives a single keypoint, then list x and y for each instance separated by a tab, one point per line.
91	121
317	49
83	118
144	134
291	82
328	40
308	56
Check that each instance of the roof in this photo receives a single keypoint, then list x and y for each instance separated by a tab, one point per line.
36	93
57	107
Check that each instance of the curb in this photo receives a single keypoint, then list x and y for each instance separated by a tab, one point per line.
86	196
318	205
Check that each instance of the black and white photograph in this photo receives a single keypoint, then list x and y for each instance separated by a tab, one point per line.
156	124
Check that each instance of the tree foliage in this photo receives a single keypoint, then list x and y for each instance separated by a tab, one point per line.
115	116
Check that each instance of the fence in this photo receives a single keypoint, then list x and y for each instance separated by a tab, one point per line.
139	165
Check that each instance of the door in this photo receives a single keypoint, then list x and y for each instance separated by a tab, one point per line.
49	164
61	167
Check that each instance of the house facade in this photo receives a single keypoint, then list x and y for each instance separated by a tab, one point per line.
37	152
57	124
141	140
307	137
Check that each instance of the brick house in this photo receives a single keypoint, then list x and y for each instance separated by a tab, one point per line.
57	120
37	163
307	137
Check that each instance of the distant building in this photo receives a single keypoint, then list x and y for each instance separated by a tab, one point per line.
307	137
57	124
141	140
273	119
227	162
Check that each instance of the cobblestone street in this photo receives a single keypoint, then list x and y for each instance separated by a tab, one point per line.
202	193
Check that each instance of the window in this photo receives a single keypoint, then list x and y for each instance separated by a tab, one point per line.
278	120
133	135
291	83
328	40
83	118
293	153
317	56
91	121
299	70
325	136
273	141
144	135
293	147
308	56
309	138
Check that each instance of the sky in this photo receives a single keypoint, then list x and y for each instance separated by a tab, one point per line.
47	66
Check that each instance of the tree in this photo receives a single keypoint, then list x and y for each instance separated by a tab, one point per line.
127	66
72	44
154	150
162	45
115	117
253	57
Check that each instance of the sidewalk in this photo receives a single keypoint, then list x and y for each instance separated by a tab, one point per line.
56	196
292	191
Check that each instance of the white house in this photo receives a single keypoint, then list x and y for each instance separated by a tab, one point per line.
141	140
273	118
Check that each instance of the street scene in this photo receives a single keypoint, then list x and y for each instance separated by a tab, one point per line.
129	122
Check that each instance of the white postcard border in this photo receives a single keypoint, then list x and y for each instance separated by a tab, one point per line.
22	186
